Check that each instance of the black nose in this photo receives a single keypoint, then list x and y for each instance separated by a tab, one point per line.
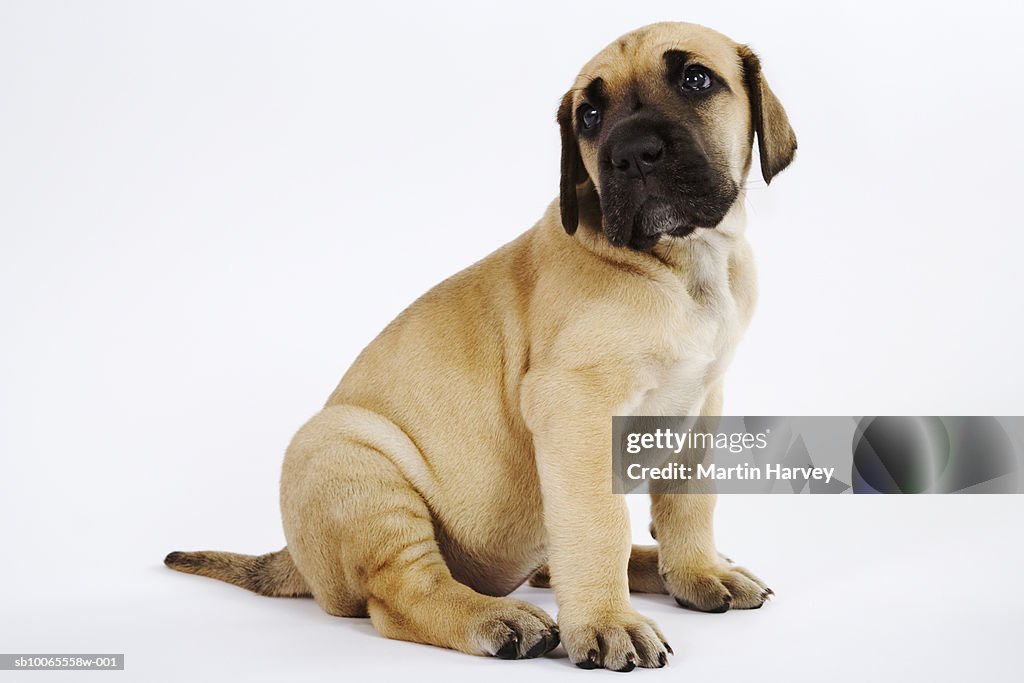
638	156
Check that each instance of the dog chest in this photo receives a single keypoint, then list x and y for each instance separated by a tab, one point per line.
698	338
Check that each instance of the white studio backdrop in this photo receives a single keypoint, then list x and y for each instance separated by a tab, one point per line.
208	209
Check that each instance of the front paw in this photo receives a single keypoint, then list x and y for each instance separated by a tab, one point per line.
619	640
716	586
513	629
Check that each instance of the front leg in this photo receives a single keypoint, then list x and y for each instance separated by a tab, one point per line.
569	413
694	572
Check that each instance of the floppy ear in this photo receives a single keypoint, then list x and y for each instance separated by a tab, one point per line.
573	172
775	138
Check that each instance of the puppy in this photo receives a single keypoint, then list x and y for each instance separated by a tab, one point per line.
469	443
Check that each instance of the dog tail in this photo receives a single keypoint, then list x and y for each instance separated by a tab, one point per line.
273	574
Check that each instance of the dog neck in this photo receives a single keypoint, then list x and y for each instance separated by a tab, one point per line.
704	247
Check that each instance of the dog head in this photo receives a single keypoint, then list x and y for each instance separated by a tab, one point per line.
659	129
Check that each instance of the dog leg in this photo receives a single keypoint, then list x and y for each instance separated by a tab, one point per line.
694	572
364	539
587	524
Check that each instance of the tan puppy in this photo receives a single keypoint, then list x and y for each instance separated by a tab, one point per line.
469	444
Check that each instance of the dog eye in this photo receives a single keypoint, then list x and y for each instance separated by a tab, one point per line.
696	78
589	116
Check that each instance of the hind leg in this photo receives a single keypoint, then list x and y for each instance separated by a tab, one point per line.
364	540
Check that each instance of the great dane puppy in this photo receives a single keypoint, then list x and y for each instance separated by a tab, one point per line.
469	443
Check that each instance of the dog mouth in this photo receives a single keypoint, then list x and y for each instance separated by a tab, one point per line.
655	218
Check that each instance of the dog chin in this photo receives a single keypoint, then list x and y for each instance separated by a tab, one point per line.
654	220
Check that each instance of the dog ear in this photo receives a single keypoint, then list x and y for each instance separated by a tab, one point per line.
573	171
775	138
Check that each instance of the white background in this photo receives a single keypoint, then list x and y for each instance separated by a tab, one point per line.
208	209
